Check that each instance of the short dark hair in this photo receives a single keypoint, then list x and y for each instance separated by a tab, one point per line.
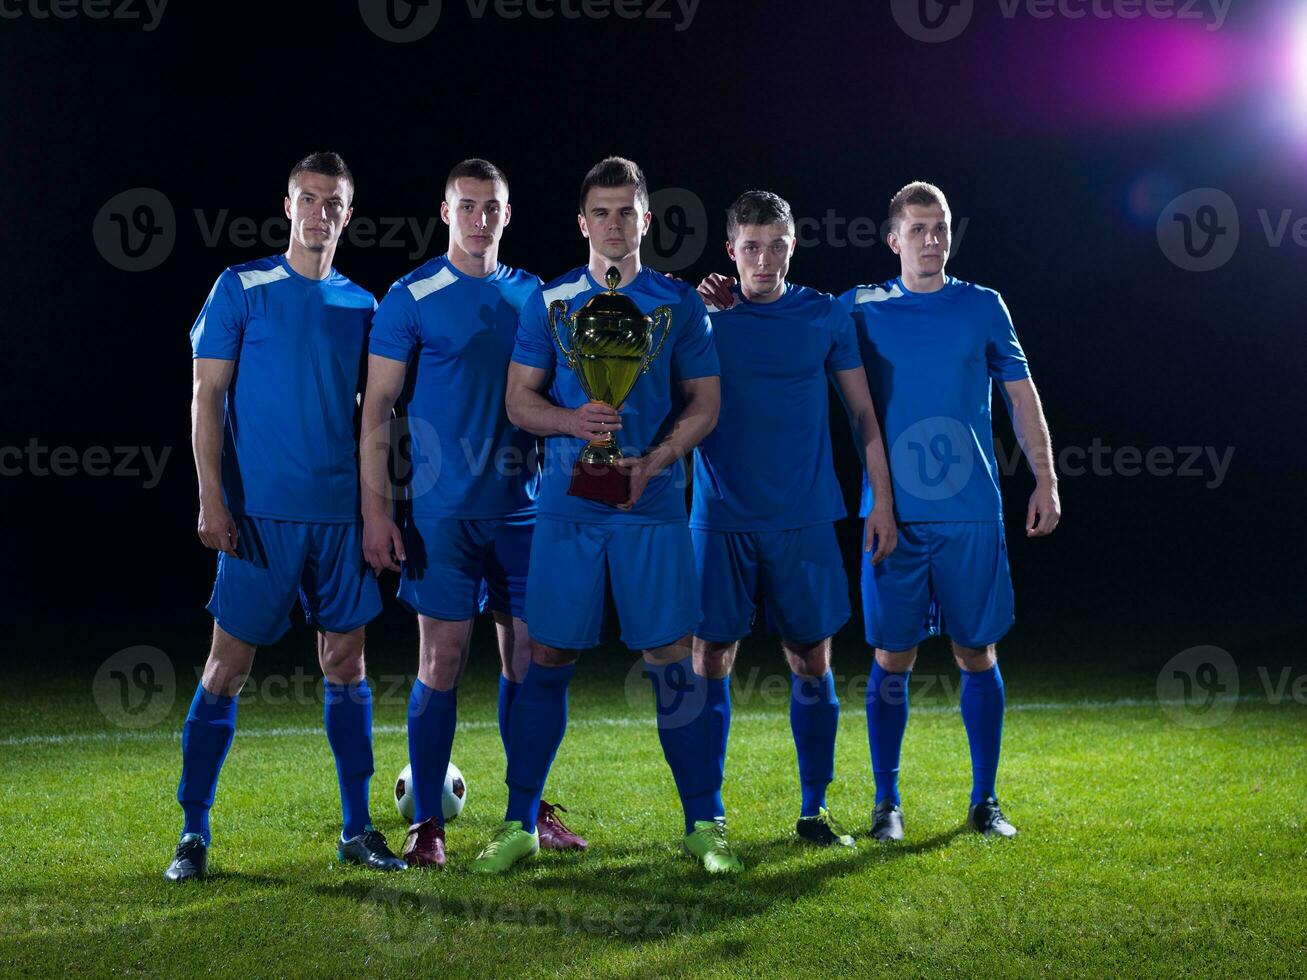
758	208
325	163
920	194
615	172
477	169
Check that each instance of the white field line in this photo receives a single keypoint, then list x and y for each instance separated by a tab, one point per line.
174	735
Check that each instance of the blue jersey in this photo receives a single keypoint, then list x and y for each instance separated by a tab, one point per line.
458	331
649	411
289	450
768	465
930	358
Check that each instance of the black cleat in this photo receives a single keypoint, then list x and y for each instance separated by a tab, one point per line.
986	818
369	849
191	862
887	821
823	831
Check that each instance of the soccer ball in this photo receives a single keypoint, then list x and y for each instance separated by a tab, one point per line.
452	797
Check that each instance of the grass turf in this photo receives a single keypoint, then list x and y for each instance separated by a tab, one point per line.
1146	847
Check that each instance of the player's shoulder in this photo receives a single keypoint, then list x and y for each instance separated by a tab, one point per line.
570	284
669	291
257	272
972	292
871	295
817	304
427	279
358	295
515	278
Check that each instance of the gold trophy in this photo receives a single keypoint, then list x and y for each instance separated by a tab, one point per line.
608	348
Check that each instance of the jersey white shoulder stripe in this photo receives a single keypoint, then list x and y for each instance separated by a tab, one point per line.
877	295
429	285
567	290
261	277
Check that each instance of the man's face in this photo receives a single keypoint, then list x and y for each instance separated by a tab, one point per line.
318	207
762	258
477	212
921	239
615	221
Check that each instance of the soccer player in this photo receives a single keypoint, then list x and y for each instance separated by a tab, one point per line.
639	549
932	345
448	328
766	496
277	353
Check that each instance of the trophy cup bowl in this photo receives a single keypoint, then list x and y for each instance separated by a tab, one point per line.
609	345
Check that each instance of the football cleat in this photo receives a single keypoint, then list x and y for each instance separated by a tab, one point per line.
707	842
509	845
191	862
986	818
823	830
887	821
554	834
369	849
424	847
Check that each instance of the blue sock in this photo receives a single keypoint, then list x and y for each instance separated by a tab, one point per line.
688	732
507	693
982	713
206	737
536	729
347	715
432	716
887	717
814	719
718	731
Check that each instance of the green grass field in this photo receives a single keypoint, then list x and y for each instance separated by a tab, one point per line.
1147	846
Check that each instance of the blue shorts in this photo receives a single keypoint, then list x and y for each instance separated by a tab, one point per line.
455	568
277	560
946	578
804	587
648	567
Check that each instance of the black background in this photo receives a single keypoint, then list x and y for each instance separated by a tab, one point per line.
1034	128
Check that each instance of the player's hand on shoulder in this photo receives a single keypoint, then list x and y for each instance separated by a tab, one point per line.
715	290
594	420
1044	512
882	534
383	545
216	527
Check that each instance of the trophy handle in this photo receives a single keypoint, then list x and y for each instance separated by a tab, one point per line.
558	311
663	313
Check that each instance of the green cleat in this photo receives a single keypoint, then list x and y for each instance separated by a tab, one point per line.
509	845
823	830
708	844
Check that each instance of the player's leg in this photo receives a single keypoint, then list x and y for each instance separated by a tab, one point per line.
896	603
807	597
975	595
340	596
564	610
252	596
503	593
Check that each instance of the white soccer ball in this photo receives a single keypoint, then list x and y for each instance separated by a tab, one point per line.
452	798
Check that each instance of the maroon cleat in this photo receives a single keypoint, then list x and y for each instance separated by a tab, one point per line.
554	834
425	844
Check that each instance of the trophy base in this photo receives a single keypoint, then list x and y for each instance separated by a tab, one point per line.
599	482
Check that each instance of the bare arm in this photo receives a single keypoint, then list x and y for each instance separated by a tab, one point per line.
383	546
1045	508
703	401
881	531
531	411
210	379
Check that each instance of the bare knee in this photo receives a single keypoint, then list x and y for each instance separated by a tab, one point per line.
972	660
714	660
547	656
808	659
442	651
228	665
896	661
340	655
671	653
